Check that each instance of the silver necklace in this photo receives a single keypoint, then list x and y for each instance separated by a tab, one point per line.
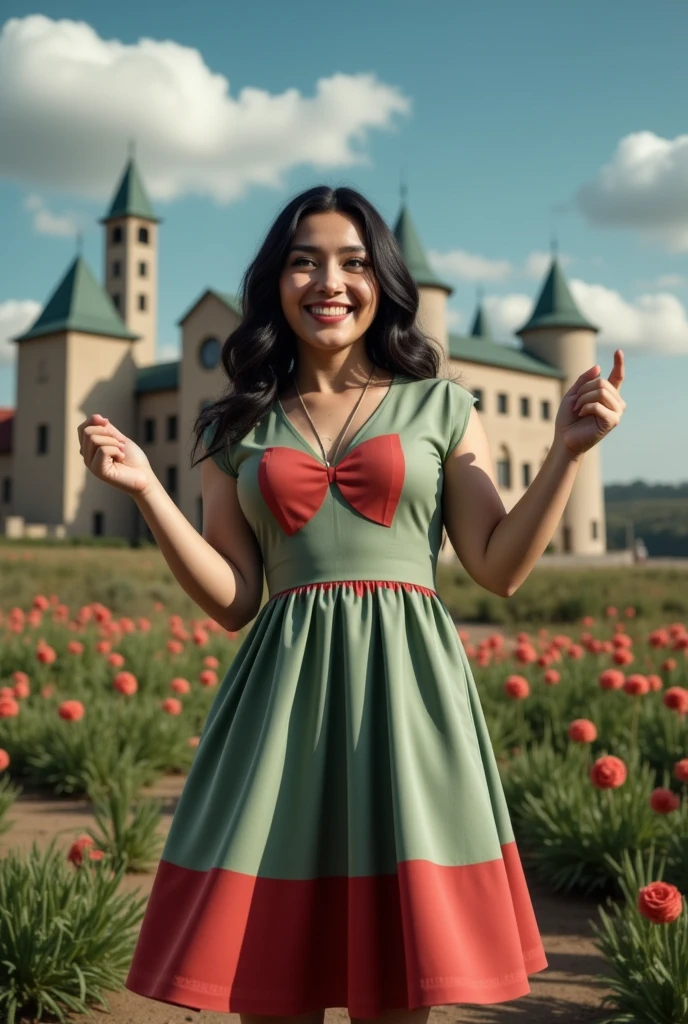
346	425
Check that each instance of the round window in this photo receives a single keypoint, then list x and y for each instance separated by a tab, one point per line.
210	353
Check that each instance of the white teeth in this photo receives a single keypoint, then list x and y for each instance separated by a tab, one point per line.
329	310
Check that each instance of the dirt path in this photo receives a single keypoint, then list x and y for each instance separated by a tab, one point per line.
567	991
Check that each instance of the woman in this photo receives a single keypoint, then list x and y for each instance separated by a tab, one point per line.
342	839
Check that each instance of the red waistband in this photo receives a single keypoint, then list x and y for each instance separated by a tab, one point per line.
360	587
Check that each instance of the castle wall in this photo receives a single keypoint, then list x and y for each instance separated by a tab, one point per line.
583	522
211	318
100	377
516	441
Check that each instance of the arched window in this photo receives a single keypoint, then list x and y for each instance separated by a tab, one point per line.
116	236
143	235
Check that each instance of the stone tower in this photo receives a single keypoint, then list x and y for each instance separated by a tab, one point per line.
558	333
75	359
433	293
131	261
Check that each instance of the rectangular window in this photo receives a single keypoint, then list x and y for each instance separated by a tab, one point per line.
149	430
502	402
593	528
504	473
98	524
142	302
544	407
42	439
172	428
526	474
7	490
478	393
171	480
116	268
115	301
143	269
525	406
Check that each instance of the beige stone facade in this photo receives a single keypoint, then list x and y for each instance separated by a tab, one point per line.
70	368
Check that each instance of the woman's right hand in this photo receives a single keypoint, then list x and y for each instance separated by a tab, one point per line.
114	458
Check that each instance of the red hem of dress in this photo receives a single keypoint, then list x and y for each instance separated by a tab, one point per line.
360	587
228	942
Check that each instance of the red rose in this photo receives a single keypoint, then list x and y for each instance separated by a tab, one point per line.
663	801
660	902
9	707
582	730
681	770
71	710
172	706
551	677
4	760
207	677
636	685
180	685
676	698
611	679
517	687
76	850
608	772
126	683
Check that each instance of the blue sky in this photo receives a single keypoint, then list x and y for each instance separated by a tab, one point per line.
510	122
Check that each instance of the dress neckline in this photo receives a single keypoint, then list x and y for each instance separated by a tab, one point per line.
364	426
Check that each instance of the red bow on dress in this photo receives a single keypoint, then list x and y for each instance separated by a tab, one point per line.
294	483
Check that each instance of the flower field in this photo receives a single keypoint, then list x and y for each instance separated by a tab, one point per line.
588	719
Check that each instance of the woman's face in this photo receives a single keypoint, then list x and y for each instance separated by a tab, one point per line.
329	264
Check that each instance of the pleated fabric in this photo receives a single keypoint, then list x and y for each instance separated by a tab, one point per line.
342	839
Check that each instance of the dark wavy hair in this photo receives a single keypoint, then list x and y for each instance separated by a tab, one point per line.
257	356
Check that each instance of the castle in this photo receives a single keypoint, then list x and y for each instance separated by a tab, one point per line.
92	349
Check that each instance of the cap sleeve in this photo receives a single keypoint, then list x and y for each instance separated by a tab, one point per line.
223	457
461	401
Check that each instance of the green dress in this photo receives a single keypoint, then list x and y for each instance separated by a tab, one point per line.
342	839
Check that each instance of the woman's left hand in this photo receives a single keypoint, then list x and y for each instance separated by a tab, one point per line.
591	408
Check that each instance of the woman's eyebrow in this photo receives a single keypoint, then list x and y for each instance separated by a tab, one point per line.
316	248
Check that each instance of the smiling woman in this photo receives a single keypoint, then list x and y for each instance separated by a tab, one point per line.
342	839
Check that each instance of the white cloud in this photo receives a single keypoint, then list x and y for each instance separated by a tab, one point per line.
47	223
459	265
643	187
72	101
654	323
167	353
465	266
16	316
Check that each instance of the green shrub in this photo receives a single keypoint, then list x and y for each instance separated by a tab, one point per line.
649	961
8	794
571	827
66	934
127	830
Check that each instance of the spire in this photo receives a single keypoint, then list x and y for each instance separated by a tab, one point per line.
555	306
481	325
413	252
130	198
79	303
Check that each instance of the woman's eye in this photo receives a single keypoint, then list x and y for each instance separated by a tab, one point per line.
305	259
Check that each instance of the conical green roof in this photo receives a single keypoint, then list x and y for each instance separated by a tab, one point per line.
481	326
130	198
79	303
555	306
414	254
